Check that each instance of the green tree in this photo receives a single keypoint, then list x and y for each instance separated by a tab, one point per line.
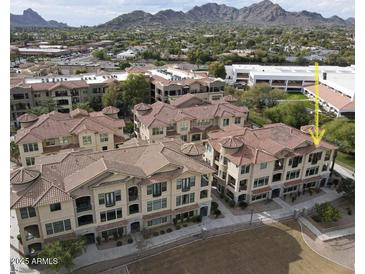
341	131
294	114
347	186
64	251
100	54
14	153
39	110
85	106
129	128
327	213
261	95
113	95
216	69
123	65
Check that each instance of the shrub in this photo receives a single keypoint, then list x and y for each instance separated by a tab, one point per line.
130	240
168	230
178	227
327	212
162	232
310	191
119	243
232	203
155	233
243	205
317	189
19	238
217	212
185	225
98	240
175	221
214	206
198	218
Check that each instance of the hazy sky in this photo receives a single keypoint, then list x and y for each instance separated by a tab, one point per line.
93	12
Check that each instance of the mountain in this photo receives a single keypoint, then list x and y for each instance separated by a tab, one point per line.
30	18
351	20
262	13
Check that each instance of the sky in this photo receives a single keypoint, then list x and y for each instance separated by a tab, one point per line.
94	12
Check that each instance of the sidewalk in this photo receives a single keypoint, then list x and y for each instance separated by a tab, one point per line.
328	235
93	255
215	226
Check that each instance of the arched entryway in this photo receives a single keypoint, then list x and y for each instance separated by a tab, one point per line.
90	238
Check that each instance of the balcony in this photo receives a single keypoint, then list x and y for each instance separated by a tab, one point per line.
31	232
85	220
83	204
132	194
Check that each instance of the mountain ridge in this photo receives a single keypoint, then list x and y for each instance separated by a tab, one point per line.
261	13
30	18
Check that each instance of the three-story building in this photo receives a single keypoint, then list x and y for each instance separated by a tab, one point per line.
258	164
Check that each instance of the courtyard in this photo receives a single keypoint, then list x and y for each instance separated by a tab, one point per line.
275	248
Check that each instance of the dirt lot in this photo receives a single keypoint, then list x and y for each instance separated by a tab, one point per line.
269	249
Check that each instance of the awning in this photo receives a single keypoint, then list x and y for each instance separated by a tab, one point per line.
157	215
261	190
111	226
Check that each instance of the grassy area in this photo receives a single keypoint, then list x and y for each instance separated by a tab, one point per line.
295	96
346	160
274	249
258	118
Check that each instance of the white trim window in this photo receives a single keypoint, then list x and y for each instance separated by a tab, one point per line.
104	137
58	227
156	204
185	199
259	197
185	184
86	140
30	147
259	182
290	175
157	131
245	169
312	171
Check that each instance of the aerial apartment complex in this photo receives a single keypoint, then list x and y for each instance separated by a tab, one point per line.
65	91
109	193
274	161
189	118
167	84
79	129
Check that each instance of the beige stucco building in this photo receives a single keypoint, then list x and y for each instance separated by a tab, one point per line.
273	161
100	194
53	132
189	118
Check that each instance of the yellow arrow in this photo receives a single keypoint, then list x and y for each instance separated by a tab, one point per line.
317	134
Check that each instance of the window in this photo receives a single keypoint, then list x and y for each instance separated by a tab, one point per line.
27	212
263	165
324	168
237	120
86	140
156	204
263	181
51	142
58	227
225	122
243	185
157	221
55	207
104	137
279	164
311	171
276	177
327	156
309	185
185	199
314	157
156	189
203	194
295	161
157	131
64	141
30	147
292	174
110	198
29	161
184	126
259	197
290	189
204	180
184	138
185	184
111	215
195	137
245	169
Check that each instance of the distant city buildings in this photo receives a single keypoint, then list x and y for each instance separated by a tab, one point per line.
189	118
